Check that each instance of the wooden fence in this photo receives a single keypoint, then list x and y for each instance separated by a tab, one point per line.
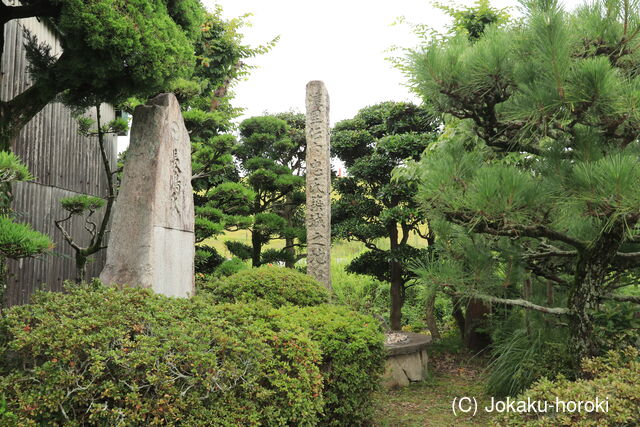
63	163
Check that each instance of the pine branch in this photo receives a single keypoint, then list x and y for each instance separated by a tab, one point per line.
498	228
624	298
558	311
65	234
539	271
552	253
627	260
629	255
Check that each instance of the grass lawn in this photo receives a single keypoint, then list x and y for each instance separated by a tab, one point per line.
428	403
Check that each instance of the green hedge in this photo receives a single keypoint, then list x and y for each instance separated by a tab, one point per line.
615	377
102	356
353	358
278	286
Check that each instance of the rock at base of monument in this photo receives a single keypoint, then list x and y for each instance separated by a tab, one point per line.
152	241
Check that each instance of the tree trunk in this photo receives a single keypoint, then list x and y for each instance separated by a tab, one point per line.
474	338
257	249
290	262
395	318
458	314
396	296
81	267
431	318
16	113
588	287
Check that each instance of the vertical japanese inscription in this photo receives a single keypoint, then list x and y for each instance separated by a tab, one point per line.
175	181
318	185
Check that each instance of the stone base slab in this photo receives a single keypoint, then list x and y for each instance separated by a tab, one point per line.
406	361
403	369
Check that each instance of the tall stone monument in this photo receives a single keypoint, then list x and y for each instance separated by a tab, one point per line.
318	215
151	244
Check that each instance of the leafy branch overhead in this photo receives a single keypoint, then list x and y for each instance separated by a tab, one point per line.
135	49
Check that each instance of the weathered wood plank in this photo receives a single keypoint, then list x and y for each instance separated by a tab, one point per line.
63	163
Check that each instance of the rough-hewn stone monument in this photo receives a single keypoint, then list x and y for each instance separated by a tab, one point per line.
318	215
151	244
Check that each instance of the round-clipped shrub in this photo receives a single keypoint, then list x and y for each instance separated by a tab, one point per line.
103	356
353	356
230	267
278	286
613	378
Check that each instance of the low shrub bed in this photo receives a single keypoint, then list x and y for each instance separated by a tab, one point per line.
353	358
275	285
103	356
614	378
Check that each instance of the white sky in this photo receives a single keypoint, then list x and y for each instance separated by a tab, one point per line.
343	43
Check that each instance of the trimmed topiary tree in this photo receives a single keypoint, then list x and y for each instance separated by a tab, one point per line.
277	286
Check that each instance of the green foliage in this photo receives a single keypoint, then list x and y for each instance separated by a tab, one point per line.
118	126
520	359
77	205
614	377
235	198
275	256
104	356
21	240
12	169
361	293
239	249
267	199
617	325
207	259
473	20
16	240
353	358
6	416
134	48
230	267
278	286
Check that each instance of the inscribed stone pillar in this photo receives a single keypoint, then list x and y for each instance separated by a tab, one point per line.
318	182
151	244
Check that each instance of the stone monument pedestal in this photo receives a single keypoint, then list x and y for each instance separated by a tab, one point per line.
406	361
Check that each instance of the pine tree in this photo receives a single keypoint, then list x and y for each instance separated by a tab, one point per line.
537	174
